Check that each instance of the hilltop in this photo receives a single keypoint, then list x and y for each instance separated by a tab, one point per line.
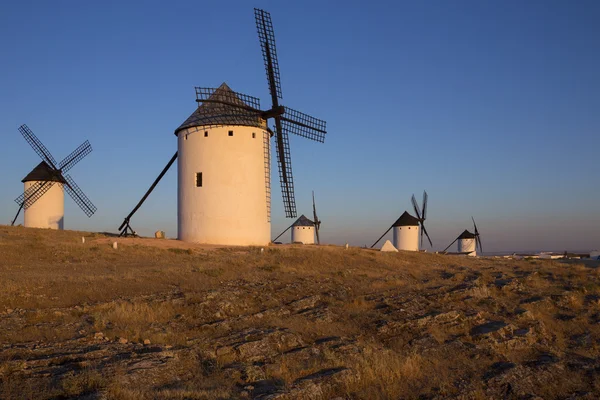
165	319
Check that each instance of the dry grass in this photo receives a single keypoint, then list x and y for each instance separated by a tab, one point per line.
222	319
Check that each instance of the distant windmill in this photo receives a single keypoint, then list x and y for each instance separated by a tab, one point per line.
406	228
303	229
468	242
43	197
224	150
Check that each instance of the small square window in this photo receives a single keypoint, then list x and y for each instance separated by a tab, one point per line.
253	135
230	133
205	133
198	179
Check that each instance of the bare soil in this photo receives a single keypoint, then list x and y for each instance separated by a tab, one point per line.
169	320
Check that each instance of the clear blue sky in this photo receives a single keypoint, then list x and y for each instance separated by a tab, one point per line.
492	106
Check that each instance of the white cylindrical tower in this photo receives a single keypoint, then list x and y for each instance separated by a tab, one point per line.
467	243
223	175
406	233
303	231
48	211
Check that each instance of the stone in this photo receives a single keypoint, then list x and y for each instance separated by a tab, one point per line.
115	245
159	234
388	246
98	335
123	340
146	342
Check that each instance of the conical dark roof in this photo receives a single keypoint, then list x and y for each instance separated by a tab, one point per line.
406	220
303	221
467	235
209	113
43	172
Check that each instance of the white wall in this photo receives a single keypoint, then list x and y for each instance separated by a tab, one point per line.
406	238
48	211
232	205
303	234
467	245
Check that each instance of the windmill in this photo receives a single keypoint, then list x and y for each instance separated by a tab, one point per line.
303	229
406	228
468	242
224	183
43	197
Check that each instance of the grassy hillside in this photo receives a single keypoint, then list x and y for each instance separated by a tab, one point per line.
164	319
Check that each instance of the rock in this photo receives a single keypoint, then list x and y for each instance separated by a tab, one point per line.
388	246
123	340
146	342
99	336
159	234
115	245
9	310
304	303
488	327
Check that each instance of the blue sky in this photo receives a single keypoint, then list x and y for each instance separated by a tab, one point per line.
491	106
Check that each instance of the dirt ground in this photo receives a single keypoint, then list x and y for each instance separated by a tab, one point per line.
169	320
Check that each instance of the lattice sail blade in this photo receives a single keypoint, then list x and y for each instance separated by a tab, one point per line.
37	145
76	155
425	197
304	125
34	193
423	230
286	180
266	35
416	206
229	97
79	197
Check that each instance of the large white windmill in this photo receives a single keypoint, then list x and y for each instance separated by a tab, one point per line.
407	229
224	174
43	198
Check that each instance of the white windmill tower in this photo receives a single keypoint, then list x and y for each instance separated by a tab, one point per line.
223	174
406	233
43	196
224	183
468	242
406	228
303	229
49	210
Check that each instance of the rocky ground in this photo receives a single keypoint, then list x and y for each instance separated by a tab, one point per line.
83	320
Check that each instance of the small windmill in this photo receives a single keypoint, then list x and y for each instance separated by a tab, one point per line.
406	228
303	229
468	242
43	196
224	184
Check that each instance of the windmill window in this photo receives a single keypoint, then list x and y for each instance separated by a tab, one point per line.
253	135
230	133
198	179
205	133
